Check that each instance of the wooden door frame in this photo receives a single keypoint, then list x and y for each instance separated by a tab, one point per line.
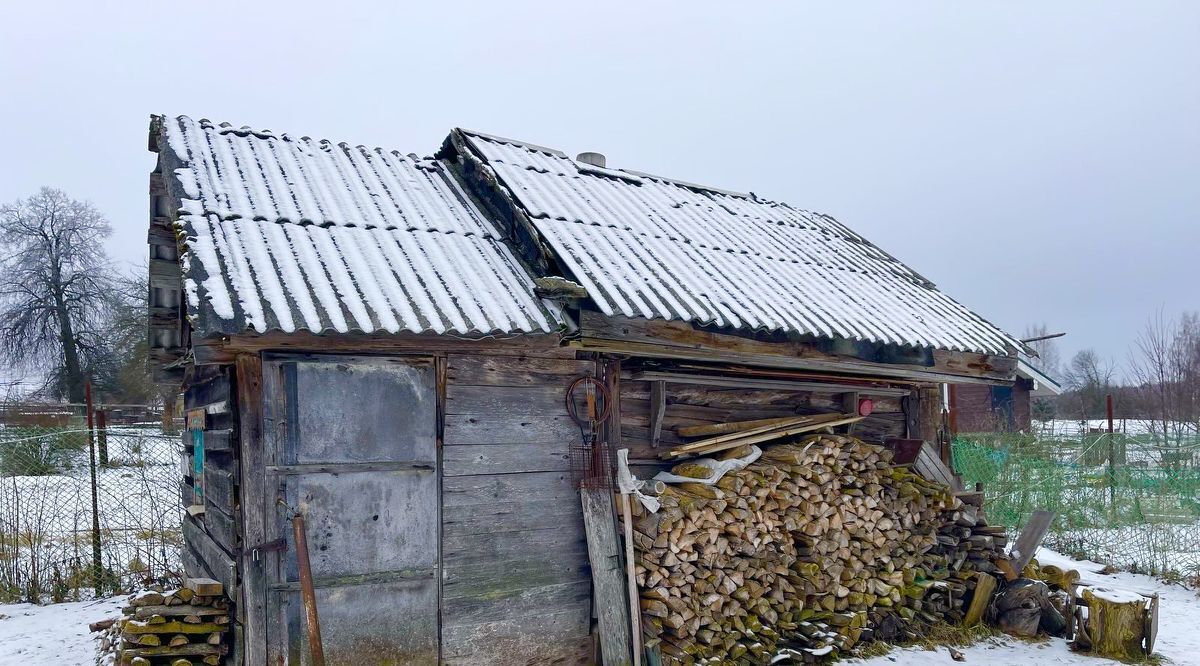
262	403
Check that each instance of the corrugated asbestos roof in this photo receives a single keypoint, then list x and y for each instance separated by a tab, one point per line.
649	247
295	234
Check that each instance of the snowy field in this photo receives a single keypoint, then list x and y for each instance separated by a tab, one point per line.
45	519
1132	427
57	635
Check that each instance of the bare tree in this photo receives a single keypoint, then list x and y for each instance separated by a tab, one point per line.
1165	364
125	376
1089	378
54	287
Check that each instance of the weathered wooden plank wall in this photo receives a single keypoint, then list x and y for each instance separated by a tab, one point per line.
692	404
212	538
515	580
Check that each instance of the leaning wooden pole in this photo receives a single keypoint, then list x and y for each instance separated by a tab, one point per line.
635	612
312	624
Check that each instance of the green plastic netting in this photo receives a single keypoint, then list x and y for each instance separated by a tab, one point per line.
1130	501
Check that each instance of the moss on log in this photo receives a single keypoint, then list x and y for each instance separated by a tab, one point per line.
1116	623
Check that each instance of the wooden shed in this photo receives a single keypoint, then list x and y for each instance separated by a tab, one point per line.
384	344
978	408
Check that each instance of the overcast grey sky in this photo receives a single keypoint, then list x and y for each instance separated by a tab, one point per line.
1038	161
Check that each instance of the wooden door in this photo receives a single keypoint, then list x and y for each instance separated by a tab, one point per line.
351	445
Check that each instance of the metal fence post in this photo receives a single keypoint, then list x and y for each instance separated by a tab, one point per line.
102	436
97	565
1112	488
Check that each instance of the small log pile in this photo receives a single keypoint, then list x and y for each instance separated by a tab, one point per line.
1115	623
184	627
817	545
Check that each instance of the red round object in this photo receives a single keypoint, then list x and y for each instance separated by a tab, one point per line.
865	407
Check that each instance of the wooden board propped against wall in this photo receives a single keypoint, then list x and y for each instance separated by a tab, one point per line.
608	578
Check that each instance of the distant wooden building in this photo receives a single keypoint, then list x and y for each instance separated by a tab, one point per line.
372	339
1001	408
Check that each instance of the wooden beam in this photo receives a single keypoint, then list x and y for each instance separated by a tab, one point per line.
608	580
658	409
256	502
223	349
726	428
912	415
752	437
163	316
164	268
161	235
850	406
930	416
762	383
985	586
673	339
1030	538
612	376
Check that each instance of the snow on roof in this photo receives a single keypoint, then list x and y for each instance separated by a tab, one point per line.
291	234
1043	384
650	247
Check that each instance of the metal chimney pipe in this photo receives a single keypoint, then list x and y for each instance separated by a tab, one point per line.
594	159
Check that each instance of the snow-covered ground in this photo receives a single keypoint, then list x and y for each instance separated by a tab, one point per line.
56	634
1133	427
1178	629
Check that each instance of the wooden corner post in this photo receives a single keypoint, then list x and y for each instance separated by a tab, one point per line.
252	609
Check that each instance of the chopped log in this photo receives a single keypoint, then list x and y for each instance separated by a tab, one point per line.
147	598
141	639
985	586
136	627
189	650
1116	623
1005	567
819	544
147	612
204	587
102	624
179	597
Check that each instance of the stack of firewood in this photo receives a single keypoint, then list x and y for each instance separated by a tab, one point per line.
178	627
817	545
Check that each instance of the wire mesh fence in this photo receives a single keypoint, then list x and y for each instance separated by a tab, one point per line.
49	534
1130	499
